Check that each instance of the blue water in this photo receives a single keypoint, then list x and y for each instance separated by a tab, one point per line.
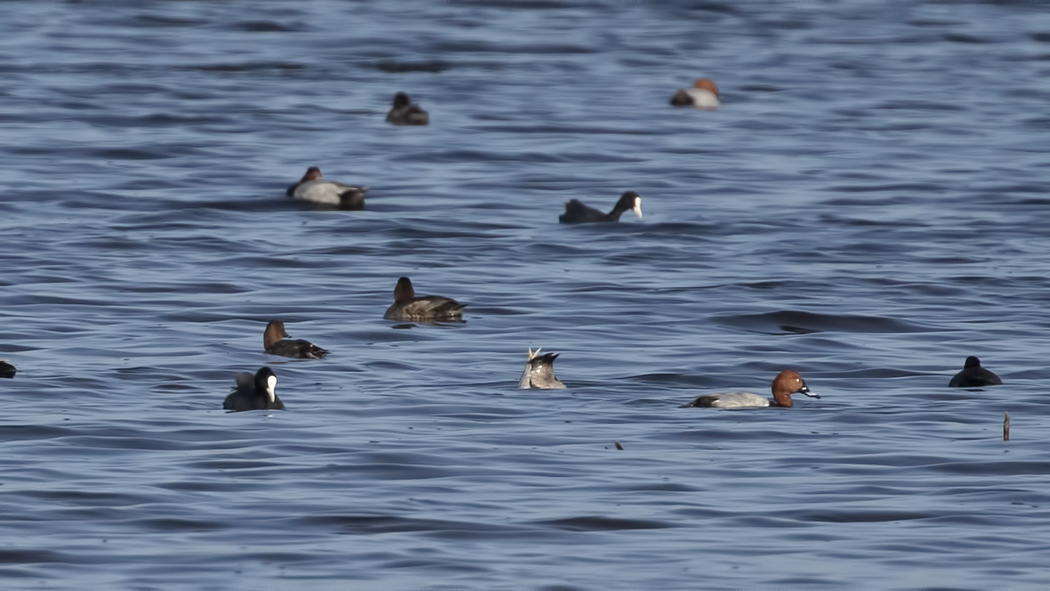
869	207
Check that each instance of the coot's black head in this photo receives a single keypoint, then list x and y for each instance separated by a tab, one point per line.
401	100
972	362
266	383
629	201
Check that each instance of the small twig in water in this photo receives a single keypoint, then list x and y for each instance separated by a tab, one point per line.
1006	426
618	446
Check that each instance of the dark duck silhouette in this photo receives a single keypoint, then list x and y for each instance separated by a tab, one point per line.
403	112
974	376
408	306
275	343
578	213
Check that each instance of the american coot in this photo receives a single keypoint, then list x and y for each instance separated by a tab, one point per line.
405	113
254	392
974	376
578	213
407	306
315	189
703	95
786	383
6	369
539	372
297	349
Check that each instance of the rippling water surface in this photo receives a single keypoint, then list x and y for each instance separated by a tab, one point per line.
869	207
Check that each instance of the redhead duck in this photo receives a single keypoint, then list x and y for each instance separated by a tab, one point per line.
405	113
578	213
254	392
407	306
315	189
703	95
539	372
974	376
786	383
6	369
275	344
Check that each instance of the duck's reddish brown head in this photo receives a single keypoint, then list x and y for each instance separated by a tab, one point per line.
706	84
786	383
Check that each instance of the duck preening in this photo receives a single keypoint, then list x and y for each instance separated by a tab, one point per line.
317	189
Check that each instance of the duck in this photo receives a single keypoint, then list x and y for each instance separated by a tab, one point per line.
786	383
578	213
407	306
974	376
539	372
275	343
254	392
6	369
703	95
315	189
403	112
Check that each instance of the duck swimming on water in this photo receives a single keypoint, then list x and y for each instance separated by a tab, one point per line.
974	376
403	112
408	306
316	189
786	383
578	213
275	343
703	95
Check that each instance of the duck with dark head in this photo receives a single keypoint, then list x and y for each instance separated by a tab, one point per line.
408	306
403	112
